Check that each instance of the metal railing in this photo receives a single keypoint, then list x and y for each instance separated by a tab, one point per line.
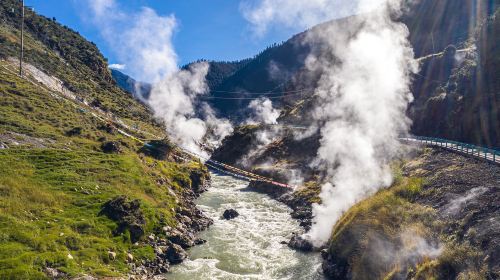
487	154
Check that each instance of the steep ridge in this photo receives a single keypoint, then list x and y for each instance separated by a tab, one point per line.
140	90
457	95
433	26
80	194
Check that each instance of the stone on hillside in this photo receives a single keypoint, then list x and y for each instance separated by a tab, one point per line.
158	149
74	131
128	214
53	273
111	147
130	258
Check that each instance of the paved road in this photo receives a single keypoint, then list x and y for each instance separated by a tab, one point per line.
471	150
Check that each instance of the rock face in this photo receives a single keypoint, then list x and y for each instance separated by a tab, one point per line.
128	215
200	181
230	214
158	149
300	244
175	254
171	248
111	147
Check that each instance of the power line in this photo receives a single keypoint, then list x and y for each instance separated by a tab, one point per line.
259	93
21	55
249	98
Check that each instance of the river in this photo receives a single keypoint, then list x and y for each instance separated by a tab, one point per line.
249	246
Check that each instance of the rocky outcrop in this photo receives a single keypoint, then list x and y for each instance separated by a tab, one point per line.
200	180
297	242
170	245
111	147
236	145
158	149
175	254
127	213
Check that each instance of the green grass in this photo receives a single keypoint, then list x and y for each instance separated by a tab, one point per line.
50	197
378	222
49	205
51	194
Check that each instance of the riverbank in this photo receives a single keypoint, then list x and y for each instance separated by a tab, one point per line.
250	246
439	219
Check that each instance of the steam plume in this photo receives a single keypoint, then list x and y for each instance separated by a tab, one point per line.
263	112
143	41
365	64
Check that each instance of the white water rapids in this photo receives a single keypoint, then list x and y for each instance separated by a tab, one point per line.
249	246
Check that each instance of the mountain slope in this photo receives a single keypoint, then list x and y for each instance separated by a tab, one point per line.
79	190
433	26
139	90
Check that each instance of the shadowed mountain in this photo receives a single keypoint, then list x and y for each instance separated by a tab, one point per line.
434	25
139	90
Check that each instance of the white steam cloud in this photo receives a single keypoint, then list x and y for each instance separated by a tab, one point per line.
365	63
143	40
263	112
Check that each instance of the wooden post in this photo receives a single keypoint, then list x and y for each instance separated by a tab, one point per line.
21	55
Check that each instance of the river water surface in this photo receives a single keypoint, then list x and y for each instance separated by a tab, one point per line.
249	246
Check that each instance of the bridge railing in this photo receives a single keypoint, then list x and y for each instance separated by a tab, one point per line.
487	154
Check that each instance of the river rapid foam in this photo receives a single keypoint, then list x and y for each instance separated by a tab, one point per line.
249	246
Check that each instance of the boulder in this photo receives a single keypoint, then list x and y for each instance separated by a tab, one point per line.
158	149
128	215
175	254
200	180
200	241
230	214
300	244
184	239
75	131
130	258
111	147
53	273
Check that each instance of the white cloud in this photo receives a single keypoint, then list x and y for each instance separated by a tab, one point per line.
143	40
101	7
117	66
263	14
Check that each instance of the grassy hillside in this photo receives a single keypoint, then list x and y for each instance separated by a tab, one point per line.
65	153
62	52
433	223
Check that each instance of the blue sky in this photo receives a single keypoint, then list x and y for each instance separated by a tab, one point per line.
209	29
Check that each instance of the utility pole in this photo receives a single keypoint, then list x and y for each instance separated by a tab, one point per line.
21	56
